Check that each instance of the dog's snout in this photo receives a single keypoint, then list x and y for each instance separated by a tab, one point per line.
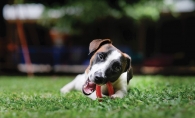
99	78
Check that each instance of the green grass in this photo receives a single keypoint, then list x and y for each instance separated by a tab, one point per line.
148	97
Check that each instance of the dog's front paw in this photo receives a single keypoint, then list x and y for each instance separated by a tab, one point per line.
115	96
64	90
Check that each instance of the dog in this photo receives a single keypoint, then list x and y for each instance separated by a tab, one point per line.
107	63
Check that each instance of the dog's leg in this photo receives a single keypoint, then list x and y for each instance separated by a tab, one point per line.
76	84
120	86
119	94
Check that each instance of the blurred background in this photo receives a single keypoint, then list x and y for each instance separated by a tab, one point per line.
52	37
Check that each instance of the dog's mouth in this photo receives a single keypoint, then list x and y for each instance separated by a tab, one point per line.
89	87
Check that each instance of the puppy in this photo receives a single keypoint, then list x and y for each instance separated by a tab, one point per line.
106	64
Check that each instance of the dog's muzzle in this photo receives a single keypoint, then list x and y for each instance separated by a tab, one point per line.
100	78
89	86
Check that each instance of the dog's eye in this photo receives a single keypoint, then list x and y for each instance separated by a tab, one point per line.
101	56
116	67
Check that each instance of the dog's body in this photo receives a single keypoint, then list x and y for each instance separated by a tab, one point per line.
106	64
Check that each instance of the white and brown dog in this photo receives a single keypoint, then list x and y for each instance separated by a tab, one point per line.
106	64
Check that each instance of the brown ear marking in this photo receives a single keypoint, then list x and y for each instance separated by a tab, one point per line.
96	44
128	68
128	65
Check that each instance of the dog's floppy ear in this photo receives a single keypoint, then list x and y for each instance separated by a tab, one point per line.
96	44
128	67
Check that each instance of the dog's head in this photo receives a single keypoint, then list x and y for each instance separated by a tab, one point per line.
106	64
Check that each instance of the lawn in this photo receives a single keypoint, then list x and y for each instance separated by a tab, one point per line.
148	97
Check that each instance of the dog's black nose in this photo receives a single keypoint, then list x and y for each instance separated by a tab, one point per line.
99	79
